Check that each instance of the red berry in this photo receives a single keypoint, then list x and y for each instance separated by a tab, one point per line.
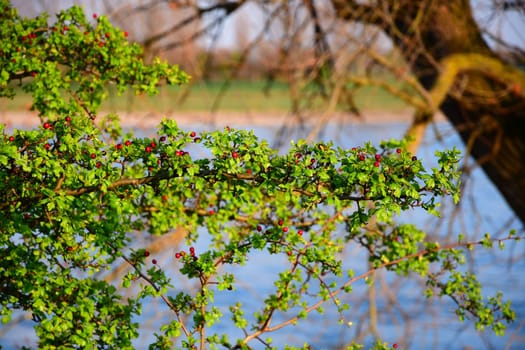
65	28
312	161
153	144
378	157
95	16
192	134
300	232
93	155
235	154
100	43
47	125
177	255
377	164
118	146
68	119
146	253
398	150
414	158
395	346
127	143
47	146
33	74
211	212
280	222
11	138
126	34
98	165
249	171
69	248
164	198
107	35
179	153
154	261
285	229
148	149
259	228
27	216
361	157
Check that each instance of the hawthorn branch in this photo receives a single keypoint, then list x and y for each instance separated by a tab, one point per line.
157	289
388	264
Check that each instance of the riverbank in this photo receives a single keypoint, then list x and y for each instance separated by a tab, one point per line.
28	119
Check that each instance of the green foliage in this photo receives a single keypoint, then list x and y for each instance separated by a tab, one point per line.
75	193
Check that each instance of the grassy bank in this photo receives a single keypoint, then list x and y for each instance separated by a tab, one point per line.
237	96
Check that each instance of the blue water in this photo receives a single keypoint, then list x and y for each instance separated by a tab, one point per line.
413	322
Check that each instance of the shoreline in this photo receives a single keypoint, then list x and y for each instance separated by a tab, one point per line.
143	120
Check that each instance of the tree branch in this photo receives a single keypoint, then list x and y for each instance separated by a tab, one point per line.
350	10
227	7
388	264
451	67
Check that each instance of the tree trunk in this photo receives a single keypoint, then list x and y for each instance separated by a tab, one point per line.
487	110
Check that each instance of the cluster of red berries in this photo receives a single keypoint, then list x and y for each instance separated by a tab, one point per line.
361	156
377	163
151	147
29	38
182	253
146	254
285	229
298	157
